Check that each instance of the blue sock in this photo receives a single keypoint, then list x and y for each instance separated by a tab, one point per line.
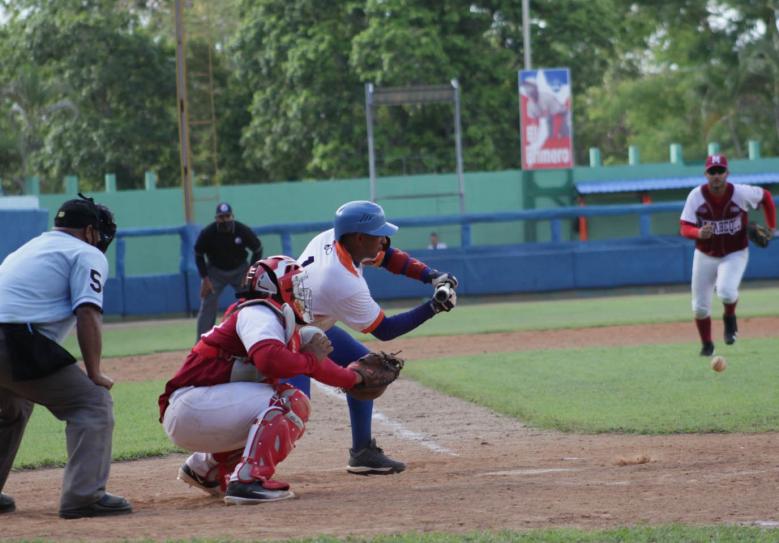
303	382
346	349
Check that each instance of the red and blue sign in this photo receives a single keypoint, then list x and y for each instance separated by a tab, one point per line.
545	120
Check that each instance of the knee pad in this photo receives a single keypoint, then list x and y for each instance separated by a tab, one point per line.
294	400
274	434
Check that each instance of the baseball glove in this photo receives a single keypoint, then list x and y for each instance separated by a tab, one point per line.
759	234
378	371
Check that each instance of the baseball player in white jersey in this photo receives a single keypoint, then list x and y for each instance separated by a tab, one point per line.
49	284
334	262
226	401
716	216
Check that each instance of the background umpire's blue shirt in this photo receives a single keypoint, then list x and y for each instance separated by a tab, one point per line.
47	278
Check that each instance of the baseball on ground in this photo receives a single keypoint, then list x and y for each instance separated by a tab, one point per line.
308	332
718	363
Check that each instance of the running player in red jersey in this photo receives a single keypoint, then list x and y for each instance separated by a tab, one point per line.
716	216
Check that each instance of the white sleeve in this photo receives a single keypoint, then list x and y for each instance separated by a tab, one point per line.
88	277
748	195
692	203
257	323
358	311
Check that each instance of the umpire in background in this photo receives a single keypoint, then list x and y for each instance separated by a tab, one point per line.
49	284
224	243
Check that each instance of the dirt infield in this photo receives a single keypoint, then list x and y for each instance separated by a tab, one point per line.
468	468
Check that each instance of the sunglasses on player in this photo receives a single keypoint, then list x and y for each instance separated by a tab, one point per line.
716	170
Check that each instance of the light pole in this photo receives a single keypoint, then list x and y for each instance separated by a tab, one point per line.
526	33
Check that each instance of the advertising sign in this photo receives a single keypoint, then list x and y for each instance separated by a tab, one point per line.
545	118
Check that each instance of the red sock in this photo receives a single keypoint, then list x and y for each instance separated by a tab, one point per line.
730	309
704	329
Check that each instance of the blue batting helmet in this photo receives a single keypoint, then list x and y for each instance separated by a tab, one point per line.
362	217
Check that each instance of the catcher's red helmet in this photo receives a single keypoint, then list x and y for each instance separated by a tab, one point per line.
282	279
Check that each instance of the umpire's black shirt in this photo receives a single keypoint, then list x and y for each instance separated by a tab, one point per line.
225	250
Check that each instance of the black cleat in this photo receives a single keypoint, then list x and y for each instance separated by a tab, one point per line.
707	349
7	504
239	493
189	476
372	461
105	506
731	329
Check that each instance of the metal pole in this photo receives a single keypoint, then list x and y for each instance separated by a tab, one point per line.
526	33
183	112
369	122
458	139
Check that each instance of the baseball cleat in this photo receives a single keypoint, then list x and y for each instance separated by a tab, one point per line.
731	329
7	504
707	349
372	461
239	493
188	476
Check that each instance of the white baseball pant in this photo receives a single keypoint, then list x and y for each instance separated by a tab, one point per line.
724	273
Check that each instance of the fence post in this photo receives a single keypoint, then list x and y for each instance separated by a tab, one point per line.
150	180
286	243
110	182
594	157
754	150
634	156
188	234
465	235
71	184
676	153
121	251
32	185
713	148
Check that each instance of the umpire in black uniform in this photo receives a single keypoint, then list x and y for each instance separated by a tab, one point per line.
223	243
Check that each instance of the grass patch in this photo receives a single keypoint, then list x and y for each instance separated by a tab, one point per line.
642	534
651	389
144	338
137	432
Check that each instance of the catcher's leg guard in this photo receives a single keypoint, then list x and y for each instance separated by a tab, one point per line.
272	437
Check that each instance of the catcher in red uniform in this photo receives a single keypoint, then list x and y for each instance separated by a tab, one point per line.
226	401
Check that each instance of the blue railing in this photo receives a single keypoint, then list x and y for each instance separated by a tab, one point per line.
555	216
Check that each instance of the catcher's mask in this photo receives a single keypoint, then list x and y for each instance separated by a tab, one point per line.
83	211
282	279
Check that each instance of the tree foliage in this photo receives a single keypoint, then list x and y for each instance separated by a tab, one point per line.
88	86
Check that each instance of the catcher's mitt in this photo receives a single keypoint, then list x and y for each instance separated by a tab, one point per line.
378	371
759	234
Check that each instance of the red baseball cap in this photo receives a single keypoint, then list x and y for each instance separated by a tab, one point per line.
716	160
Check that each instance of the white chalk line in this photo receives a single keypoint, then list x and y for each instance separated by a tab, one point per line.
396	427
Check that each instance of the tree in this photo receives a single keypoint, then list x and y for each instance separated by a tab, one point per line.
121	82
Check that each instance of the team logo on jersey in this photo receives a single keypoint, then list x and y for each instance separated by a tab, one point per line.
328	248
728	226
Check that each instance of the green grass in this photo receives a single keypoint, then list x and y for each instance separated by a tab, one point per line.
642	534
137	433
143	338
651	389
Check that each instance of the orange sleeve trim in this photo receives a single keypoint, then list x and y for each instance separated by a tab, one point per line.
345	258
375	323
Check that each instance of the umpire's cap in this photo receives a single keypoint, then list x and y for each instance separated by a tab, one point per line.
362	217
83	211
78	213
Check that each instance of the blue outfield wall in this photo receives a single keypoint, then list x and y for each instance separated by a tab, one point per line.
19	226
541	267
